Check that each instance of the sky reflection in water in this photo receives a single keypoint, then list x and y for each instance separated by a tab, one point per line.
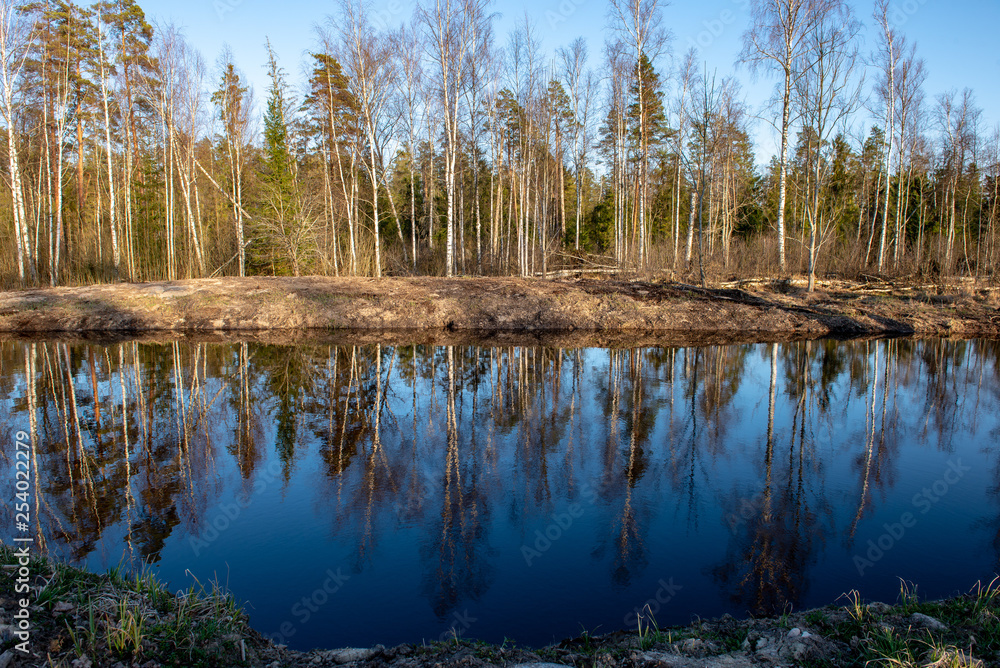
356	495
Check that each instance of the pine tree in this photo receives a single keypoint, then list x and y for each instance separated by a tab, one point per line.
647	131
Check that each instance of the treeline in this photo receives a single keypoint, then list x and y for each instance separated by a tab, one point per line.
436	149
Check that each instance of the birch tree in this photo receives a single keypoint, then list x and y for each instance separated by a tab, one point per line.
450	26
581	86
888	57
828	93
15	41
775	42
370	66
640	24
233	101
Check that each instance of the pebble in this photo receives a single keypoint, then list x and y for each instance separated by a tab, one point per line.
927	622
795	633
349	654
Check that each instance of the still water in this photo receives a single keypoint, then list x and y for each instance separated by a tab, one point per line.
352	495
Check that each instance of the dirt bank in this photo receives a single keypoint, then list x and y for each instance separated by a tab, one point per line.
579	305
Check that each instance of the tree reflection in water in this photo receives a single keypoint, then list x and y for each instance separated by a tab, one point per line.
793	449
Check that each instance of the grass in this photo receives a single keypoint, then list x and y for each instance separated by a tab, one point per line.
122	616
893	638
651	635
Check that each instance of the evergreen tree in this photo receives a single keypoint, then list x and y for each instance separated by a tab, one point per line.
278	160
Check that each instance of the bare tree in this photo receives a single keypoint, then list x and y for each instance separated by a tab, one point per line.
480	73
179	103
368	58
15	41
615	140
958	121
777	39
706	139
581	85
640	24
409	98
449	28
104	66
234	101
889	55
909	97
687	75
828	92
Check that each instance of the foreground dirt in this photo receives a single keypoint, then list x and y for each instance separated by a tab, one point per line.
450	307
956	633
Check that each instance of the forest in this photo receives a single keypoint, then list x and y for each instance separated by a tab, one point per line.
440	148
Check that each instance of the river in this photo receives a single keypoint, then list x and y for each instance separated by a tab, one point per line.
353	495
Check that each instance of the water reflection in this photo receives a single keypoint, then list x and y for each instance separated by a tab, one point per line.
527	489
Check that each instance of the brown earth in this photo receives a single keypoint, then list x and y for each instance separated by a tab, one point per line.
507	310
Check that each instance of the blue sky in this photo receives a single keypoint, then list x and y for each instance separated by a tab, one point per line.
956	39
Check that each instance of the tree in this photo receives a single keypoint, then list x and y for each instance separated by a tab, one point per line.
688	75
581	85
908	92
450	28
776	41
958	120
281	218
233	102
334	111
370	66
132	35
410	82
640	22
648	132
15	40
56	75
828	92
889	54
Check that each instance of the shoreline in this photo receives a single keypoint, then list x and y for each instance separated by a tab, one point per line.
82	619
438	309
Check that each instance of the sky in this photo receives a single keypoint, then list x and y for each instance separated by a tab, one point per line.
956	38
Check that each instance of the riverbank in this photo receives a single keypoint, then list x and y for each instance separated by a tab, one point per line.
581	306
82	620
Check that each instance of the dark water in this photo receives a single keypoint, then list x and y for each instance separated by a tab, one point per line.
356	495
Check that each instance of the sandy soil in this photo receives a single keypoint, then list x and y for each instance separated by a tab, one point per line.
581	310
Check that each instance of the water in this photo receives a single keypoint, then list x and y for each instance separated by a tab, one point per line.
351	495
